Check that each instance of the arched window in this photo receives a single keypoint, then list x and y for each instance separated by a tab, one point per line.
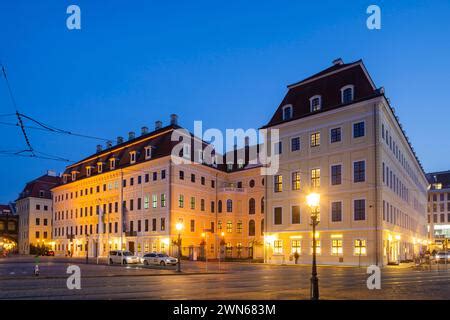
219	206
251	206
262	226
287	112
262	205
347	94
229	205
251	228
315	103
251	183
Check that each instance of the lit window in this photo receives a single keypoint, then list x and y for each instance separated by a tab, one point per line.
181	201
360	248
154	201
315	139
192	203
287	112
315	103
163	200
315	178
296	180
296	246
347	94
239	227
278	246
146	202
278	183
336	247
229	226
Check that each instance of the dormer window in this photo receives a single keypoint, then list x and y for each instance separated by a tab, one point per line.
112	163
347	93
100	167
65	176
74	175
215	160
287	112
148	152
200	156
229	166
186	151
88	171
315	103
133	157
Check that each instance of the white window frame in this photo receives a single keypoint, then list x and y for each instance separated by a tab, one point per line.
349	86
291	180
186	151
310	139
342	247
353	209
290	213
353	247
148	152
342	134
112	163
291	113
299	144
353	128
331	176
331	211
88	171
132	157
273	216
317	96
100	167
365	170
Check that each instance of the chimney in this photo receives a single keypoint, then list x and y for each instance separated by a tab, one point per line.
144	130
131	135
99	148
173	119
119	140
158	125
51	173
108	144
338	62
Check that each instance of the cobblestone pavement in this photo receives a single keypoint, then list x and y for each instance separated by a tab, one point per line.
213	281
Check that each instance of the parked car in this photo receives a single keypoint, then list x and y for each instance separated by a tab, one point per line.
158	258
49	253
125	257
441	256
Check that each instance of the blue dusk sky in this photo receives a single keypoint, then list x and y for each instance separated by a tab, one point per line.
226	63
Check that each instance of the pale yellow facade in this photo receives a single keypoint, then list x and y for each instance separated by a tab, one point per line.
354	228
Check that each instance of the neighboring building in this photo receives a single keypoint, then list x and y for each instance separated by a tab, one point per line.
439	207
34	208
219	206
8	227
341	139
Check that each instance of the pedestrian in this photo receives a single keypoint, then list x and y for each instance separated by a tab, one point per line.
296	256
36	267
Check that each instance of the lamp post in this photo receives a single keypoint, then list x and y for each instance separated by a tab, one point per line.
179	227
313	200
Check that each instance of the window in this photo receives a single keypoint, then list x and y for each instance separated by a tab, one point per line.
262	205
229	205
192	177
132	156
163	224
315	139
163	174
335	135
202	181
359	171
347	94
336	247
193	203
153	224
251	228
358	130
192	225
287	112
360	247
112	164
181	201
202	204
181	175
154	201
279	147
336	211
219	206
295	144
212	206
278	215
155	176
146	202
148	152
315	103
336	175
229	226
318	247
100	167
315	178
251	206
239	227
278	183
359	210
278	246
251	183
88	171
163	200
295	214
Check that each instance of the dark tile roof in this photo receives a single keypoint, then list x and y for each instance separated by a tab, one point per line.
327	84
439	177
44	183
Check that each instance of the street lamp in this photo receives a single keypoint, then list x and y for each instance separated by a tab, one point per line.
179	227
313	200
